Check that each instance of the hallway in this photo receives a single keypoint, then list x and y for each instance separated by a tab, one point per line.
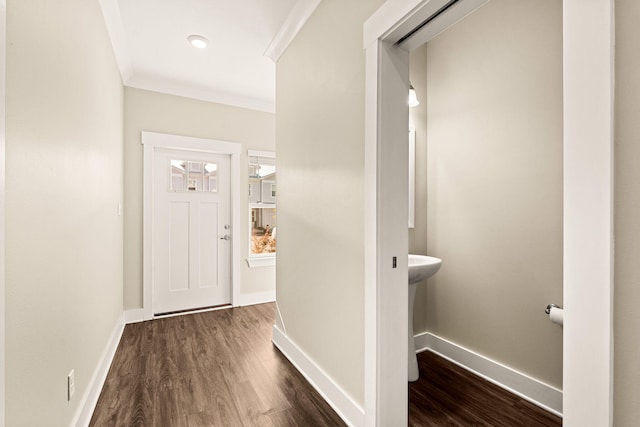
216	368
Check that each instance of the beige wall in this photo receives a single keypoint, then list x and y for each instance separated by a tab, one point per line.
156	112
418	119
64	111
494	210
627	212
320	139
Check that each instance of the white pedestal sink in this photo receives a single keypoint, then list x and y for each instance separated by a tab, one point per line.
421	267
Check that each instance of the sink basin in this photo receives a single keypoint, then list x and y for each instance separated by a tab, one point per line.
422	267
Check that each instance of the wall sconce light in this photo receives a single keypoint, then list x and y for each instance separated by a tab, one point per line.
413	98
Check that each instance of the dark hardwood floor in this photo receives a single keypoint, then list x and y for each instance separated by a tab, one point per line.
217	368
220	368
448	395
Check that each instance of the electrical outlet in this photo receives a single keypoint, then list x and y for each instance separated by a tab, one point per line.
71	384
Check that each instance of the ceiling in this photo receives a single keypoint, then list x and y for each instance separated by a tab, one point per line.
237	68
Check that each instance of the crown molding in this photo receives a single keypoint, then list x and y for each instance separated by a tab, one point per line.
298	16
115	28
140	80
163	85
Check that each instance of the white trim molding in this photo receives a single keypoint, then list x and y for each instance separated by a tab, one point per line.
588	68
133	316
115	28
3	70
298	16
153	141
87	405
397	18
540	394
264	261
350	412
255	298
165	85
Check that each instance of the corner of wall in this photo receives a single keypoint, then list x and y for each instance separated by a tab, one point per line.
89	400
336	397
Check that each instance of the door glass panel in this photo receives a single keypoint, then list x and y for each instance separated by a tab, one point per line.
193	176
211	177
178	175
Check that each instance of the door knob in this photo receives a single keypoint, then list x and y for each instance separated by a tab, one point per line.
225	237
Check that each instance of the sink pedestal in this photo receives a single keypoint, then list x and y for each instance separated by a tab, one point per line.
421	267
414	373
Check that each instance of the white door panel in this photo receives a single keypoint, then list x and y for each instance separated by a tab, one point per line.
209	242
178	246
191	213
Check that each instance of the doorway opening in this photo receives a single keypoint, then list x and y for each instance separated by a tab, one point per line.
489	143
587	217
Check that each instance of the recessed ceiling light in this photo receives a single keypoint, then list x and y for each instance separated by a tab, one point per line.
197	41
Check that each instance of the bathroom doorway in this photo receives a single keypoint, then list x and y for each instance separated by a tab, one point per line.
390	35
489	188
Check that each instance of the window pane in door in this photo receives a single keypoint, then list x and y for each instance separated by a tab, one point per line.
193	176
178	175
211	177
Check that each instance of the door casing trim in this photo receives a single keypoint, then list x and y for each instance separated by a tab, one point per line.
153	141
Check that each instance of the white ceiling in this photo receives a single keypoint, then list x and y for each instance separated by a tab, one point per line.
151	47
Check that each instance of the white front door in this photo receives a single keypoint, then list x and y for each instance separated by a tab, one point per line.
191	254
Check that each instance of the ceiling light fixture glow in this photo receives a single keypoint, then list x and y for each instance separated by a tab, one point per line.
197	41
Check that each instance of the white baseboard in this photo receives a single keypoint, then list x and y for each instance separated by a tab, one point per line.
134	316
350	412
138	314
540	394
89	400
255	298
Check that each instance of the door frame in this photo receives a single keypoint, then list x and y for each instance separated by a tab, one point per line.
3	92
153	141
588	74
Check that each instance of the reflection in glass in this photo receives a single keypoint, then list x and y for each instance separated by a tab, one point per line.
211	177
178	175
194	182
268	192
193	176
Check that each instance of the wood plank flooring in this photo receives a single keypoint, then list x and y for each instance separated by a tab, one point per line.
448	395
217	368
220	368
